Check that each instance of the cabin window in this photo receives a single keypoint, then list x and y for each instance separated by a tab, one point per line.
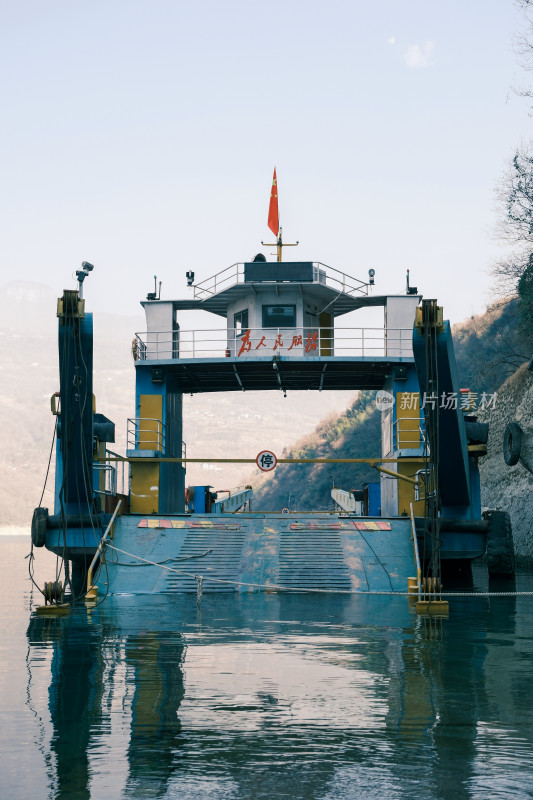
240	322
279	316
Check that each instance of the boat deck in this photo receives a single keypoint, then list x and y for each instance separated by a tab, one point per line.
258	552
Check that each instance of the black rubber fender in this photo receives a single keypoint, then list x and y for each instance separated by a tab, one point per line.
38	526
512	443
500	547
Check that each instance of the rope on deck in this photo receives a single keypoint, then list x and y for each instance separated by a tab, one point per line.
161	563
273	586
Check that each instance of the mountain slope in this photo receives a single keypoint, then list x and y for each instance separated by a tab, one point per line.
488	348
300	487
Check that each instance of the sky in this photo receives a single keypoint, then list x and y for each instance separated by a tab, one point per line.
142	136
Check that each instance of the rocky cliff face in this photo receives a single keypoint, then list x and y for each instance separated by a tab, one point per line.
506	488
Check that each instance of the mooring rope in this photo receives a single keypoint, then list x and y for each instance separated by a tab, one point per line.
165	561
277	587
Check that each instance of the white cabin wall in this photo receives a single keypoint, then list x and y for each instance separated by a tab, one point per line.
272	298
311	314
159	315
400	315
245	303
254	302
259	298
162	329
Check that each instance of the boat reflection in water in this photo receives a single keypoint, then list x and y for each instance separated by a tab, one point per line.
277	695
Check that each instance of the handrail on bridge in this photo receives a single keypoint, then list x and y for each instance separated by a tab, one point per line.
322	273
306	341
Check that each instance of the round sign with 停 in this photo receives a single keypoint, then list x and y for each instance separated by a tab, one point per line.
266	460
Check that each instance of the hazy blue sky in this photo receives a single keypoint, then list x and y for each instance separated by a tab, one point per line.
142	136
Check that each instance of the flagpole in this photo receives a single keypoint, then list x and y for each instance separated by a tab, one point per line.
273	221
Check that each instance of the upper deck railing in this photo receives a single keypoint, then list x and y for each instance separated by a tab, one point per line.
409	433
322	273
149	433
260	342
116	474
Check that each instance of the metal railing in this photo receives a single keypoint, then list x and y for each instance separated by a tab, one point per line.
322	273
408	433
253	342
116	474
145	433
110	478
92	591
122	474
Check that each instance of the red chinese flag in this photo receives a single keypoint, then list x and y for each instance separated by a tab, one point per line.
273	215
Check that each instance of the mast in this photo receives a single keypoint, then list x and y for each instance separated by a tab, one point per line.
279	245
273	221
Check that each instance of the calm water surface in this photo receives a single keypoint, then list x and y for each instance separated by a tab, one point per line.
264	697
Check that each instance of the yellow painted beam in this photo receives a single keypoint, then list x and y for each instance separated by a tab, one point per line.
179	460
397	475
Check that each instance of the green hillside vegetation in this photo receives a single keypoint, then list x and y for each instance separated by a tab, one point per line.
300	487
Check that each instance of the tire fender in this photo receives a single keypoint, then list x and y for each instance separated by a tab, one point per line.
512	443
38	526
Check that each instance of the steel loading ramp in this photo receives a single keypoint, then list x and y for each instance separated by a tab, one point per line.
257	552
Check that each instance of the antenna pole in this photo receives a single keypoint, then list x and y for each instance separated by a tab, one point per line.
279	245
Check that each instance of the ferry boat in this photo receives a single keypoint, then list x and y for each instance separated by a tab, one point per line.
280	332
